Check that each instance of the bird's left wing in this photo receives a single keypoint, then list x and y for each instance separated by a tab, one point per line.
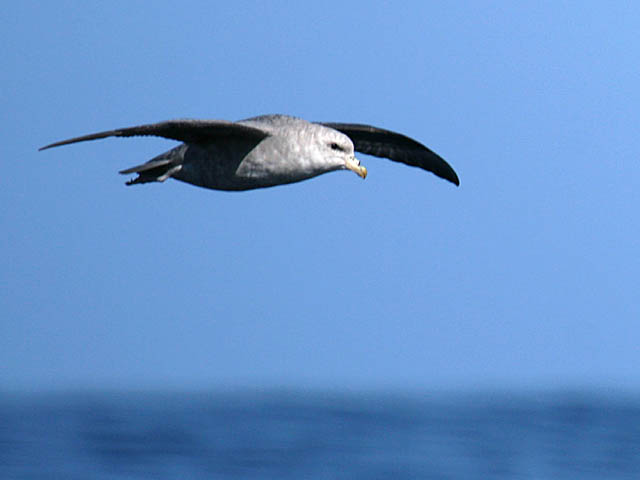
395	146
189	131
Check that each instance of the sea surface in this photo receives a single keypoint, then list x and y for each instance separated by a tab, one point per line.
315	435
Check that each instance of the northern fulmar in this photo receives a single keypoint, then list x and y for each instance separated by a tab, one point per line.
266	151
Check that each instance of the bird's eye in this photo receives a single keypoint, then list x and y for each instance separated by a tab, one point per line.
335	146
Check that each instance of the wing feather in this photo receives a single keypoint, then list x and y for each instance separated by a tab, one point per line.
395	146
188	131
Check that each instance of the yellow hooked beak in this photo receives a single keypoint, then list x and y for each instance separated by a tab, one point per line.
353	164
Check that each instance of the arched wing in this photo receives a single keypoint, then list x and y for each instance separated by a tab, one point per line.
395	146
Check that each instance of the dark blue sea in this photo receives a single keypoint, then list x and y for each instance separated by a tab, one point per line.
314	435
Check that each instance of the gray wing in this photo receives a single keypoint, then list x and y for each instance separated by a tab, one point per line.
188	131
395	146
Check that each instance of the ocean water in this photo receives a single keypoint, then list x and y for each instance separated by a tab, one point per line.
314	435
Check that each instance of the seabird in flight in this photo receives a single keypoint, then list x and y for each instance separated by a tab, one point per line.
266	151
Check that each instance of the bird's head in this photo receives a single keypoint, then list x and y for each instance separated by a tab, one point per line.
340	148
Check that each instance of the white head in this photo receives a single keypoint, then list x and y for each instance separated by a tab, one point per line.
335	151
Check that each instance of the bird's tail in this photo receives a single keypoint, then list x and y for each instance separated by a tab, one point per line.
157	169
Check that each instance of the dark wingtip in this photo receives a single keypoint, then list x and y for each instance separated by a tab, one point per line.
63	142
444	170
83	138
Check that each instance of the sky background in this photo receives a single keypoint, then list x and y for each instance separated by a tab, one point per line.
526	276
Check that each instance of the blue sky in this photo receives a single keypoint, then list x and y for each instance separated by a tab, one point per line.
525	276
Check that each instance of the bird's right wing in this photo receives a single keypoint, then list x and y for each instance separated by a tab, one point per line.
188	131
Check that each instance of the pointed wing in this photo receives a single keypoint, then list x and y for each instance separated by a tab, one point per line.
395	146
188	131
